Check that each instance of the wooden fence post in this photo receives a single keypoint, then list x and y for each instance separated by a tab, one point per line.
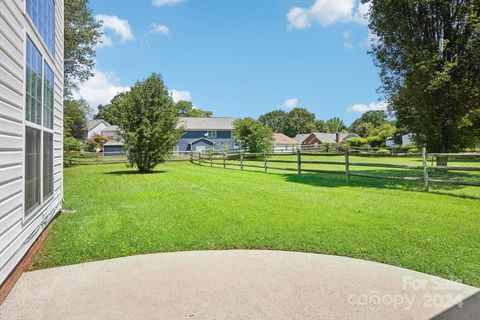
224	164
347	164
241	160
211	159
200	154
425	168
265	161
299	162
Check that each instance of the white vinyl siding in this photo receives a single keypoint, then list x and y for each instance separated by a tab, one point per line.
17	231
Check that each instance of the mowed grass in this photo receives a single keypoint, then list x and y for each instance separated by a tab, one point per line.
183	206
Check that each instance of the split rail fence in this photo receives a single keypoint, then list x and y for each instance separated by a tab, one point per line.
427	168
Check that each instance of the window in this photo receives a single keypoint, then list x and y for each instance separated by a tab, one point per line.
212	134
39	116
48	97
32	169
42	14
47	164
34	84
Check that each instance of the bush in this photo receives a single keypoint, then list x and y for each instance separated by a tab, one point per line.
71	144
357	142
414	150
96	142
376	141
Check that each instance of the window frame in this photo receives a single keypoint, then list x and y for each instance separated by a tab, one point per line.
36	39
212	134
38	35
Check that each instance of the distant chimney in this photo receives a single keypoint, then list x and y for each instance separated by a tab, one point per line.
337	137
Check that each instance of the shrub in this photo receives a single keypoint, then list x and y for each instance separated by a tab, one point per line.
376	141
414	150
357	142
96	142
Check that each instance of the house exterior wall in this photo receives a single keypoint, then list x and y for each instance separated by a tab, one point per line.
96	130
17	231
222	141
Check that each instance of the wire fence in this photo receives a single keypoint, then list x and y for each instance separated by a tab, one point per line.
459	169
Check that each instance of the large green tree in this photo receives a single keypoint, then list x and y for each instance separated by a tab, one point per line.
82	34
253	135
75	113
148	120
369	122
335	125
111	112
275	120
186	109
299	120
428	52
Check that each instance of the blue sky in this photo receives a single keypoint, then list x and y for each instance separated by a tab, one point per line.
240	57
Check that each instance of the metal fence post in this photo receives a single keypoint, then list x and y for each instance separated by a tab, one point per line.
347	164
265	161
425	168
241	160
299	162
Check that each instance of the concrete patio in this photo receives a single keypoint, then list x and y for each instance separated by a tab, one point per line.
238	284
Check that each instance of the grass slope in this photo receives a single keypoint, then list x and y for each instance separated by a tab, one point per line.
189	207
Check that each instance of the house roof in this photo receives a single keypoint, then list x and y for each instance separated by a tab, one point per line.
301	136
213	123
326	137
201	139
111	129
91	124
280	138
332	137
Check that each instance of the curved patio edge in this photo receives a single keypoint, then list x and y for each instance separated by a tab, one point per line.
233	284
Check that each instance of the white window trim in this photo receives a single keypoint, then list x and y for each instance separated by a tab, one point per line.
37	33
32	213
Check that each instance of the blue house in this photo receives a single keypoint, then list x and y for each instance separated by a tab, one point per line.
205	133
200	134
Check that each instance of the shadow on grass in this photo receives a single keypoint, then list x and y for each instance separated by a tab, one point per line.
337	180
134	172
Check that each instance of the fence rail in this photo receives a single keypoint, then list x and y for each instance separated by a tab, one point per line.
427	167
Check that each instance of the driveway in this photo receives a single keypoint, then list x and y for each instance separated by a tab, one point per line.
238	284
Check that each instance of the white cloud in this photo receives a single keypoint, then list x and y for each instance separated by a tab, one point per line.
290	103
115	25
327	12
100	89
161	3
362	108
180	95
160	29
346	40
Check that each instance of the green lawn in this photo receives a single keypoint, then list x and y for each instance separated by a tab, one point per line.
189	207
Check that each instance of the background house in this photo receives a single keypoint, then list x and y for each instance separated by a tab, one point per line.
318	138
284	143
94	127
206	133
31	121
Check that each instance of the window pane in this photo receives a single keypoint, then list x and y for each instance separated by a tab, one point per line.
32	169
42	14
47	164
48	97
33	94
